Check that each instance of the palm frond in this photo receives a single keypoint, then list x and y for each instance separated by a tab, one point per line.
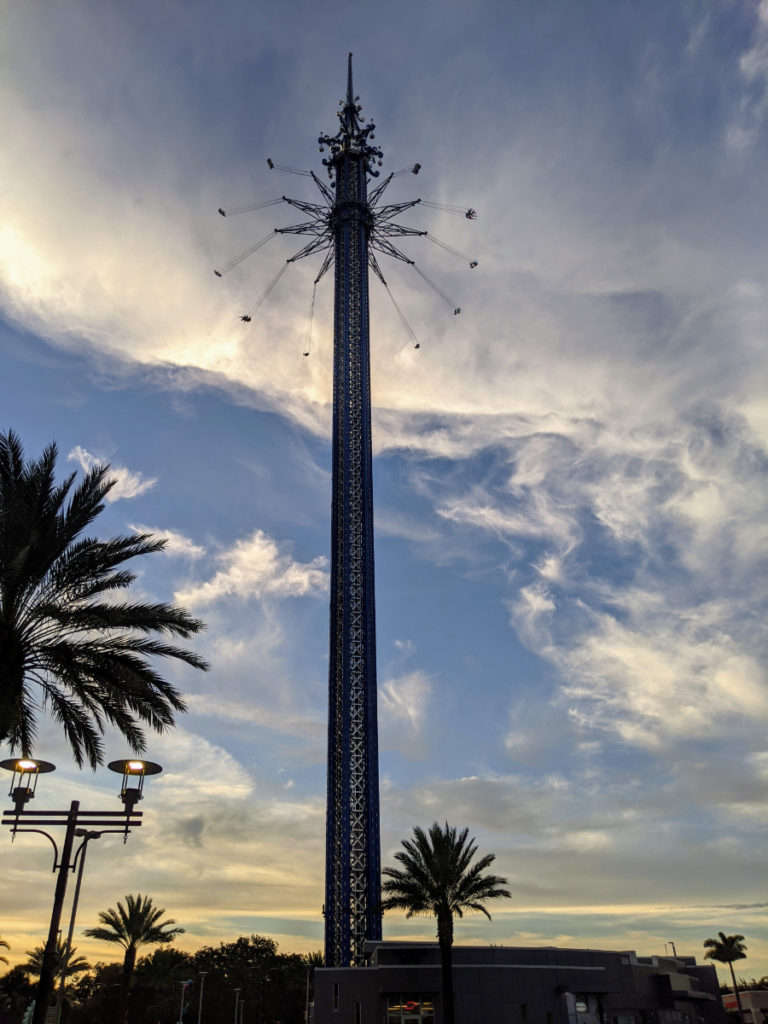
436	873
87	659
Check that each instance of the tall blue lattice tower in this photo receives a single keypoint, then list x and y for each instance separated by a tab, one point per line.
350	225
352	886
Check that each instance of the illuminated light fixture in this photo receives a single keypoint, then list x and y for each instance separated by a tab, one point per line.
24	781
133	773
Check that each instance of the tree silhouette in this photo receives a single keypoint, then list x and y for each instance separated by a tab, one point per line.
131	926
65	640
74	964
437	877
725	949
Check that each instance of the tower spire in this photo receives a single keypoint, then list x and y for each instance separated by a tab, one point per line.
350	91
353	135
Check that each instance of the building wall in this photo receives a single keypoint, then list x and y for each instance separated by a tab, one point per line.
754	1004
510	985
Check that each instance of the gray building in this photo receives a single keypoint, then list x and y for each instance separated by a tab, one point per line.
754	1005
518	985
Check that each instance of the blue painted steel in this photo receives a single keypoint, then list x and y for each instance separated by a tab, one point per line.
352	898
350	226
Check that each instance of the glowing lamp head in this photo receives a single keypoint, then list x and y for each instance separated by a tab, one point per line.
25	771
133	773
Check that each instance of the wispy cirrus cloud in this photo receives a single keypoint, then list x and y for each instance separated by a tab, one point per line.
403	701
303	723
129	484
753	64
654	680
177	544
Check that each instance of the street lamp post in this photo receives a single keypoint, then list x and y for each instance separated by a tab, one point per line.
200	999
86	836
25	773
237	1000
264	980
184	986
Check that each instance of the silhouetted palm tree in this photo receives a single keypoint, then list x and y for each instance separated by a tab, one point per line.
161	968
725	949
312	960
135	924
437	877
4	945
62	633
75	964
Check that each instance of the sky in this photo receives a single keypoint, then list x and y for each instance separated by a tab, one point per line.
570	477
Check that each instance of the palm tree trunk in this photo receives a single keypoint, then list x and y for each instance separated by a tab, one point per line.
129	962
736	990
445	940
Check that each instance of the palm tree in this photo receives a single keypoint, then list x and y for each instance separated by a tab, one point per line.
437	877
135	924
311	961
63	635
4	945
162	968
725	949
74	964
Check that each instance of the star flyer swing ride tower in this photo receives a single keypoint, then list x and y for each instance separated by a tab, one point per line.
350	226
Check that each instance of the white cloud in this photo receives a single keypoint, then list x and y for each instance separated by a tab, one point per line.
129	484
256	568
289	721
403	701
753	65
622	535
653	682
587	840
176	543
197	772
532	614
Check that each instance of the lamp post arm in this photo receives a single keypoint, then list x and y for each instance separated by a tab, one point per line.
41	832
49	956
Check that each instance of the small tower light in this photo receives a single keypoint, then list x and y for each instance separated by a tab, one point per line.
133	772
24	780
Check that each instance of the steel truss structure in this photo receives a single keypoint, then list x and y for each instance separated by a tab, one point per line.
349	226
352	887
